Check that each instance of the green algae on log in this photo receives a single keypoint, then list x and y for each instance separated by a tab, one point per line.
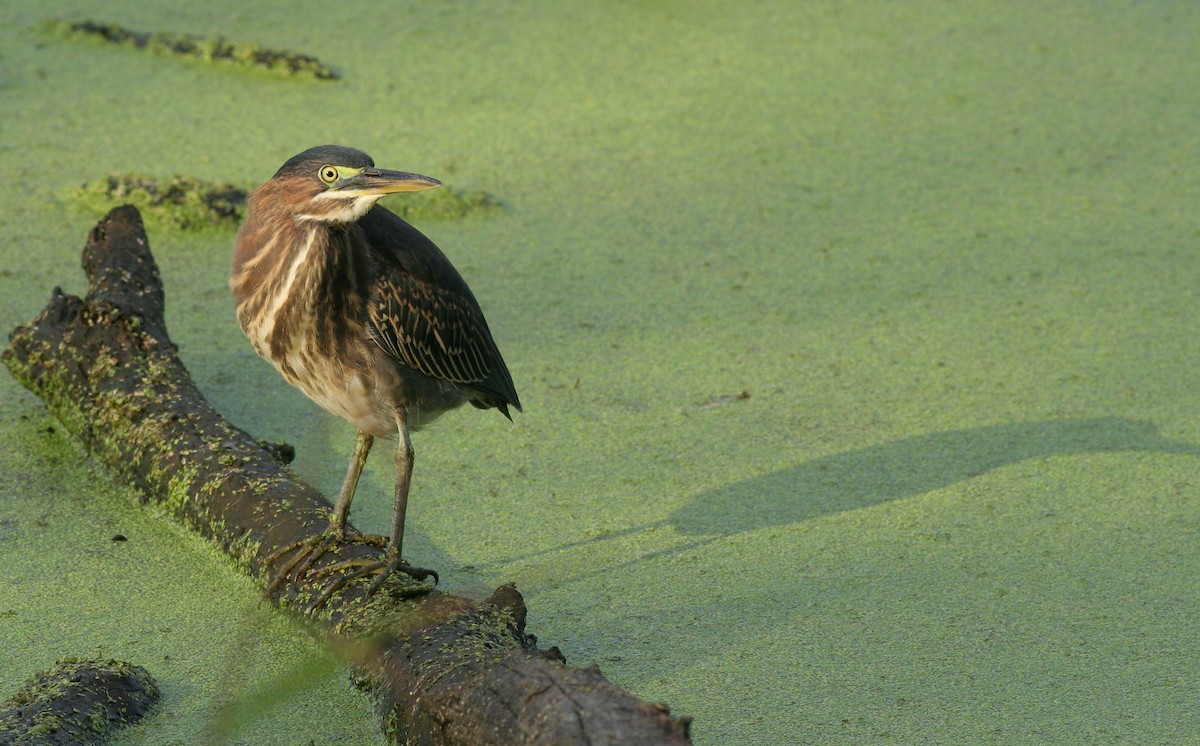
444	669
182	202
77	702
208	49
188	203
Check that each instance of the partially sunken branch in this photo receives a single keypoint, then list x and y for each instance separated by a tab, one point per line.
77	702
208	49
189	203
446	669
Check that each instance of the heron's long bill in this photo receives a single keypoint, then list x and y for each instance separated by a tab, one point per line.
381	181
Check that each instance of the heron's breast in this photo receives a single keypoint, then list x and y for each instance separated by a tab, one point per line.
334	368
305	311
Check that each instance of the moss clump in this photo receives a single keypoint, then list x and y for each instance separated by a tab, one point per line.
77	702
188	203
209	49
181	202
446	203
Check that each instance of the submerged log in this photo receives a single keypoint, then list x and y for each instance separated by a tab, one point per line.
77	703
445	669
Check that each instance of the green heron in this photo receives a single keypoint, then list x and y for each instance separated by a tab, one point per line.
365	315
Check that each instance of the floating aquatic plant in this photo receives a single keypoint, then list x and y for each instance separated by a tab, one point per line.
209	49
182	202
189	203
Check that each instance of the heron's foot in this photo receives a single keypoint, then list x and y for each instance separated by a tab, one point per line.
351	570
307	551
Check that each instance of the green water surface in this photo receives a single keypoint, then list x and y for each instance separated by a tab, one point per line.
948	250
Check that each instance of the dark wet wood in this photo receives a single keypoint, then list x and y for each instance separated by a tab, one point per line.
76	703
445	669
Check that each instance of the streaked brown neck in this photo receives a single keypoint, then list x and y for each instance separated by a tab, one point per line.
292	278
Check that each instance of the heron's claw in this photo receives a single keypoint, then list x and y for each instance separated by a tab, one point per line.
309	550
352	570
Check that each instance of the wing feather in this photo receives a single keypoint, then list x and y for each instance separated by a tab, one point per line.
421	312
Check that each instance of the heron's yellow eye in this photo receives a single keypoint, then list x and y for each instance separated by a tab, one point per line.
328	174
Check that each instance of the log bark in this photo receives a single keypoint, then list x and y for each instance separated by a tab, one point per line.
445	669
77	703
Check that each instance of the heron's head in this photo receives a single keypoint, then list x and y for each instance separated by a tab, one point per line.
336	184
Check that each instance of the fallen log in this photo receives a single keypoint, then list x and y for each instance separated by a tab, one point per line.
445	669
76	703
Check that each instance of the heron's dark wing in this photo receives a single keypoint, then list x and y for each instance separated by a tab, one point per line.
422	313
430	329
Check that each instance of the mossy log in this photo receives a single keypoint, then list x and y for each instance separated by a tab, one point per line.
209	49
76	703
445	669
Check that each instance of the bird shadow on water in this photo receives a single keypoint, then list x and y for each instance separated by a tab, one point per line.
906	468
880	473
